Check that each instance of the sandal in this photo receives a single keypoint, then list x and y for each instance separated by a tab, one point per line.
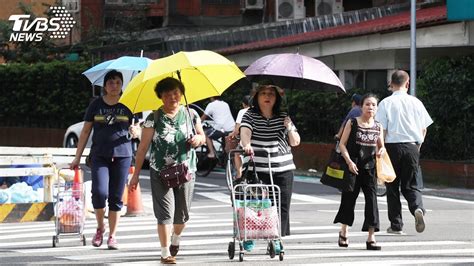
372	245
342	242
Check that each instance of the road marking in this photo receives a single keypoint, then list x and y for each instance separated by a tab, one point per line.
210	206
312	199
288	254
217	196
207	185
403	262
449	199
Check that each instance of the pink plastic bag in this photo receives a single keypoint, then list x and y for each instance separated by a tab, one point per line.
261	223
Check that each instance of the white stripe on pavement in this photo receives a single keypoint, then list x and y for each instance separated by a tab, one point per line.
312	199
217	196
288	247
208	185
287	255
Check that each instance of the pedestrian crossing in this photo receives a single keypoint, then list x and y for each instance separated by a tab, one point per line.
210	229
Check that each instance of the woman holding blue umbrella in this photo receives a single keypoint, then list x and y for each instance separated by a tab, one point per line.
111	154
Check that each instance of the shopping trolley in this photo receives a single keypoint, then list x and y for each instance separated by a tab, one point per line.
69	207
256	210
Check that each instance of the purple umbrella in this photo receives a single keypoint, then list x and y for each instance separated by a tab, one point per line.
294	71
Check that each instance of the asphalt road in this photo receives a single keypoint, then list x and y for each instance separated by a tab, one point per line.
448	238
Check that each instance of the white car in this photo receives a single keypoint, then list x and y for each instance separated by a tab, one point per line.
71	137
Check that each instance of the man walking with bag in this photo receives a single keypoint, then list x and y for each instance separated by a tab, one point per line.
405	121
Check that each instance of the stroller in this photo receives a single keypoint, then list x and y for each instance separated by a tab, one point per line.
256	210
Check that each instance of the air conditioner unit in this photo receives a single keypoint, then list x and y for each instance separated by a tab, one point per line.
290	9
328	7
253	4
73	6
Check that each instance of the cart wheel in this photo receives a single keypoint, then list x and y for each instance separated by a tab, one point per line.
83	240
55	241
281	255
271	249
241	256
231	250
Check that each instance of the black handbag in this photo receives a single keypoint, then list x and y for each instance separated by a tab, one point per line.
248	177
337	174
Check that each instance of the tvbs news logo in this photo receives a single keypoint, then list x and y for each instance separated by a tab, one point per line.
27	29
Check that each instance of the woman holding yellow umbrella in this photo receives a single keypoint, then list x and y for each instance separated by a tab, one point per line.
169	130
205	74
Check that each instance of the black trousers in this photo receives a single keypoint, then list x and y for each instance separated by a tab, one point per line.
405	161
365	180
285	181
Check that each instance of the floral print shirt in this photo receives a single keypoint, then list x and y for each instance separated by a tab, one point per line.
169	145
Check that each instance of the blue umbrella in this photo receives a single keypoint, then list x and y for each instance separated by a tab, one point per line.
129	66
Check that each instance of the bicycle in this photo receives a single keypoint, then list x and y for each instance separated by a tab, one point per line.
205	164
381	189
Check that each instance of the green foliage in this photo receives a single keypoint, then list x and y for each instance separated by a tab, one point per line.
44	94
445	86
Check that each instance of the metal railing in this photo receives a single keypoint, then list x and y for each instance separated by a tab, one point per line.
266	31
164	41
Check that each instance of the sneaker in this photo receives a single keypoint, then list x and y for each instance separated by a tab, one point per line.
394	232
419	220
112	243
277	246
98	238
249	245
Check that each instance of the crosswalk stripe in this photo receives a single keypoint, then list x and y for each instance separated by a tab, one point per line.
129	227
207	239
260	246
404	262
207	185
217	196
225	198
449	200
312	199
288	255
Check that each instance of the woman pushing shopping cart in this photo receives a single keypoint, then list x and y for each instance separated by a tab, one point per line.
256	210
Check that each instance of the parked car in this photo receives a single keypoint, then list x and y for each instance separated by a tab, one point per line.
71	137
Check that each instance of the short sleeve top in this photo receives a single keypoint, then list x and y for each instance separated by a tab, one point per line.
110	125
169	143
269	135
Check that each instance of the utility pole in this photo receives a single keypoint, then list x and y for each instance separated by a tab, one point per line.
413	49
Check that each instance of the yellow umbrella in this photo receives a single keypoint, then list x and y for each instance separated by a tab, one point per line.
203	73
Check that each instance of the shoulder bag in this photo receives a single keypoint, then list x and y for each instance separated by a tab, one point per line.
174	175
337	173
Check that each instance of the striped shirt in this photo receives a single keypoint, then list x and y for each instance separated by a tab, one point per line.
269	136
